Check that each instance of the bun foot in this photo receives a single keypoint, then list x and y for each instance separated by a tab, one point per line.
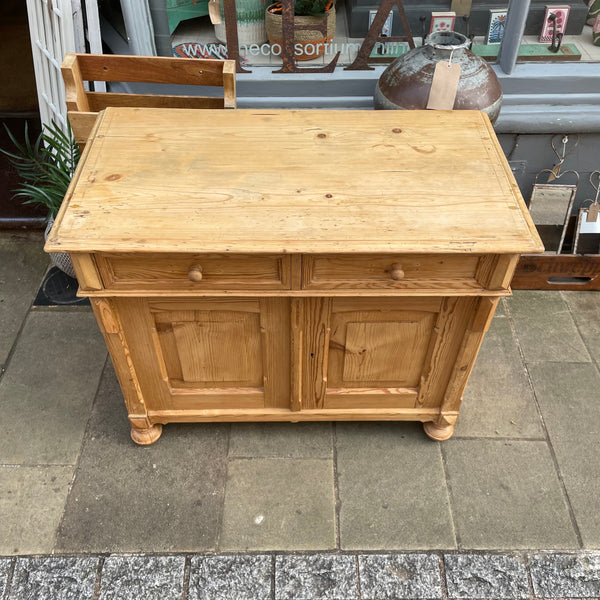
145	437
439	433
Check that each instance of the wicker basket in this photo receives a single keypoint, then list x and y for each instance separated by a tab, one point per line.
59	259
308	43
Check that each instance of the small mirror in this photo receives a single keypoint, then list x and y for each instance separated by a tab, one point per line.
550	207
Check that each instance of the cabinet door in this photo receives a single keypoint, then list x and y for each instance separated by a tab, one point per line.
370	353
220	353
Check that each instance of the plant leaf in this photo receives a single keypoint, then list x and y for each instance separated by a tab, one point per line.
46	167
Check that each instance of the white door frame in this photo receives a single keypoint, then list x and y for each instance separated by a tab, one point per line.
55	28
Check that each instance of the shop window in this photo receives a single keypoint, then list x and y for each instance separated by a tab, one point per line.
195	35
198	29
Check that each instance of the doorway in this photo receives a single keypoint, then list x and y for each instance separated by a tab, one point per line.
18	105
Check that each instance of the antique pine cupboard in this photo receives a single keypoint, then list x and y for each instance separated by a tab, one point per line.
280	265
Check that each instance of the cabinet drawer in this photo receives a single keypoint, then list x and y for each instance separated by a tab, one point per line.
400	271
194	272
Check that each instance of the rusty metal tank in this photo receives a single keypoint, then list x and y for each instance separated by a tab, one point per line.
405	84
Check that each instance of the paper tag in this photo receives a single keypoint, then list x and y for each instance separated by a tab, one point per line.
444	86
214	12
592	213
461	7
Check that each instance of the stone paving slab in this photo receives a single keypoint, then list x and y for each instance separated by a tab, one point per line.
392	488
281	440
47	391
566	576
23	263
147	577
545	327
569	399
318	577
499	400
507	495
585	309
54	578
279	504
32	500
387	577
224	577
501	309
127	498
486	576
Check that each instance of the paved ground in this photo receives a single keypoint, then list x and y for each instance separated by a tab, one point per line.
522	472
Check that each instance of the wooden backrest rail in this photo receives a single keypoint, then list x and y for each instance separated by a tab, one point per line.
150	69
83	106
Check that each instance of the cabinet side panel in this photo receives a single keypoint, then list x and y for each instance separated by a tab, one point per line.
110	326
141	338
467	354
444	348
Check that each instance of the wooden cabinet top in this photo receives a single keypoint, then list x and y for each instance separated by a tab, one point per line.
177	180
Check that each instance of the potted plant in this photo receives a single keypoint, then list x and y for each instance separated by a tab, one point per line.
46	168
250	18
308	43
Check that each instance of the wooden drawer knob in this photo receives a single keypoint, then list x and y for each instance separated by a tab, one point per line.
397	272
195	273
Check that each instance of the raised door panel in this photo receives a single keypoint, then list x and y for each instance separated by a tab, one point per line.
208	348
366	352
218	353
379	353
387	352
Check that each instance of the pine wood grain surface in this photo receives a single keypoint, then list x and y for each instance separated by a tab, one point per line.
176	180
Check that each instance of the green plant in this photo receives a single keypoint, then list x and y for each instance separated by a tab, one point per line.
46	166
315	8
310	7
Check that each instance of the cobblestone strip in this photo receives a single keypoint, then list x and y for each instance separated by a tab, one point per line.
391	576
315	576
147	577
308	576
566	575
486	576
4	571
222	577
52	577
